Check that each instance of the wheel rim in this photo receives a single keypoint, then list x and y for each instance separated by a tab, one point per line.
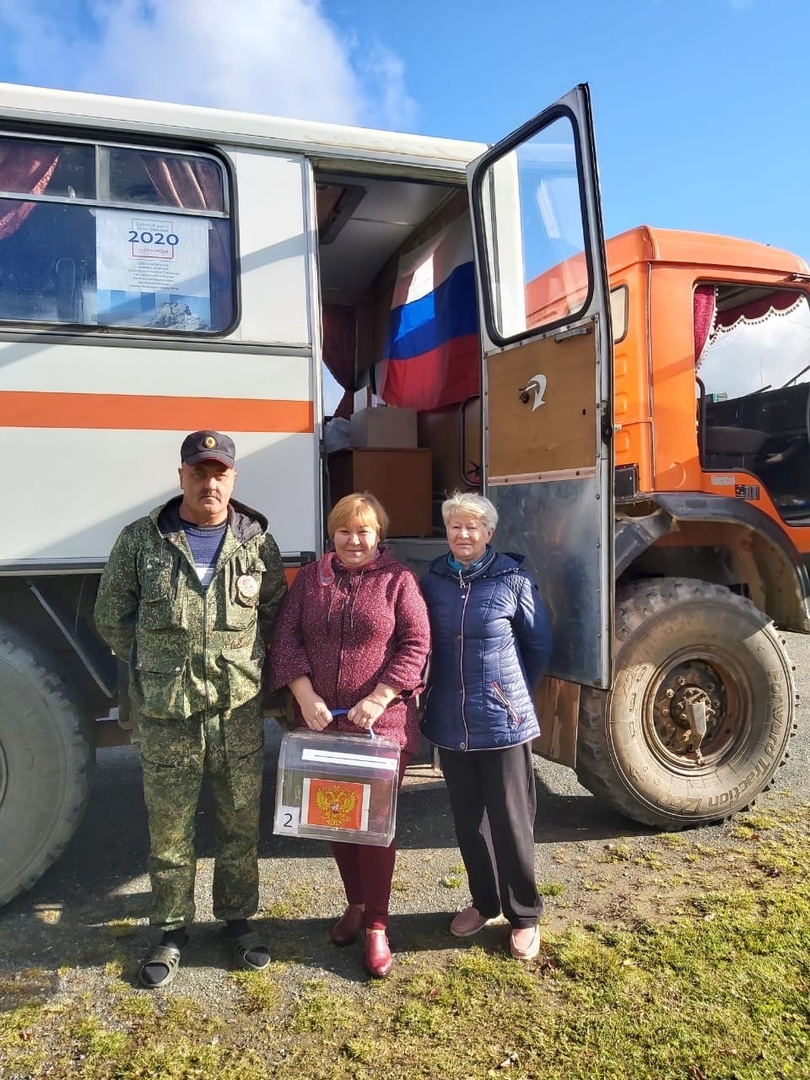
712	678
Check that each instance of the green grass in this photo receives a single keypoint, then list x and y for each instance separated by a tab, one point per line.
260	992
550	888
713	982
295	903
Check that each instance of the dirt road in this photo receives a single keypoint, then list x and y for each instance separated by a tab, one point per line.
90	908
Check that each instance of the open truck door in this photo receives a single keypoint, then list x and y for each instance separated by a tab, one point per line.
547	382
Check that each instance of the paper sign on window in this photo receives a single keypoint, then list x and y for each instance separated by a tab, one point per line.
152	270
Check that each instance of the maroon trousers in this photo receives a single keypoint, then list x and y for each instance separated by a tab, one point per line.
367	872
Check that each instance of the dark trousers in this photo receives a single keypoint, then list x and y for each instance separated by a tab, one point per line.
368	871
493	800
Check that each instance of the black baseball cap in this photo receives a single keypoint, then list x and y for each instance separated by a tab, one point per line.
208	446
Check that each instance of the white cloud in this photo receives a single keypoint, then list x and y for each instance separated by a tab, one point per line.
282	57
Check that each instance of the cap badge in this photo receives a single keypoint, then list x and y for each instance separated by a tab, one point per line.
248	586
209	442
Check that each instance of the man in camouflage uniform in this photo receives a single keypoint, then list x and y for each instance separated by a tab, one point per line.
188	600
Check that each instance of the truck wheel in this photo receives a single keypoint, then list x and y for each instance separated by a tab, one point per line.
45	763
682	642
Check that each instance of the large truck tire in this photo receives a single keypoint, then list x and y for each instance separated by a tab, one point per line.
45	765
680	640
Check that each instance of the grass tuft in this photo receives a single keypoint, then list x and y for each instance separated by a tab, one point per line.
551	888
259	993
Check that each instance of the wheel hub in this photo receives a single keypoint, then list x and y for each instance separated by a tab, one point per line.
691	714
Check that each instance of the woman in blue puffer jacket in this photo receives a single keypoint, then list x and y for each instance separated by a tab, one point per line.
491	645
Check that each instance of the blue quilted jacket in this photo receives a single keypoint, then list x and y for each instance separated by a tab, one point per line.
491	644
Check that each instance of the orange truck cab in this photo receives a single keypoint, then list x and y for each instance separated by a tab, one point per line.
712	528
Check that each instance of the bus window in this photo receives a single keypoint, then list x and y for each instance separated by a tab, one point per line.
123	237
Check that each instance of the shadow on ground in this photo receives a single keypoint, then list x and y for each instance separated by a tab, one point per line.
111	845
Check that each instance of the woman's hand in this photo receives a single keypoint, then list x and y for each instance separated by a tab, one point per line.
365	712
316	715
313	708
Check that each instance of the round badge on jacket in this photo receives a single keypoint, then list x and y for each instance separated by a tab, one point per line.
248	586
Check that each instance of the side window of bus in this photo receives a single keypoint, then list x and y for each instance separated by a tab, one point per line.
95	235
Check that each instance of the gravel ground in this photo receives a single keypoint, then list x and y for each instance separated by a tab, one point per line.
90	909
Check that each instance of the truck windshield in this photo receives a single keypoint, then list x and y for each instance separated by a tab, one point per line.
748	339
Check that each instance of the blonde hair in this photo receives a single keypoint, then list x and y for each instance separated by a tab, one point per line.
360	507
467	502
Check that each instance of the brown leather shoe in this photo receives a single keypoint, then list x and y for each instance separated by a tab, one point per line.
347	928
377	954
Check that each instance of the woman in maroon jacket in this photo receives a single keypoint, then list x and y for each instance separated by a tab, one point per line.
353	636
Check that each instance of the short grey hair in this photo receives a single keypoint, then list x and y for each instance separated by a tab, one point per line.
467	502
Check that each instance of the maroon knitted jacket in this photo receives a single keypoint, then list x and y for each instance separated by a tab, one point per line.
350	628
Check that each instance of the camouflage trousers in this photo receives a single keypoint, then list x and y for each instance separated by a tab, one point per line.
227	749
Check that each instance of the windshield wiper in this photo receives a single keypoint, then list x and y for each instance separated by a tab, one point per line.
798	375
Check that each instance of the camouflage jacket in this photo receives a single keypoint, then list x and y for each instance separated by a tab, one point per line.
190	648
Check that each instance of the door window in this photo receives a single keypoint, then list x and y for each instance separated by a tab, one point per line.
533	244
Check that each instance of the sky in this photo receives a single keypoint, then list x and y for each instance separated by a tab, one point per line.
700	105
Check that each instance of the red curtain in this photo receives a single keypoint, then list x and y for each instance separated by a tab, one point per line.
191	183
778	300
703	316
339	348
27	168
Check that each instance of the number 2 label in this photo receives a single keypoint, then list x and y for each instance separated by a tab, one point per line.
287	819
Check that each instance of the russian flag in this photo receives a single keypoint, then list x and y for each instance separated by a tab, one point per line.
432	349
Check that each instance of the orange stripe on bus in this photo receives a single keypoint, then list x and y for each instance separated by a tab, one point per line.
26	409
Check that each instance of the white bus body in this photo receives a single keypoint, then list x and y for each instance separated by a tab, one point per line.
167	268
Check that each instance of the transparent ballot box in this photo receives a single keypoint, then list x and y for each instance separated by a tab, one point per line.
337	786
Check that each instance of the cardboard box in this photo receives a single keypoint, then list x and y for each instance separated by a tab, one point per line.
384	427
400	478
